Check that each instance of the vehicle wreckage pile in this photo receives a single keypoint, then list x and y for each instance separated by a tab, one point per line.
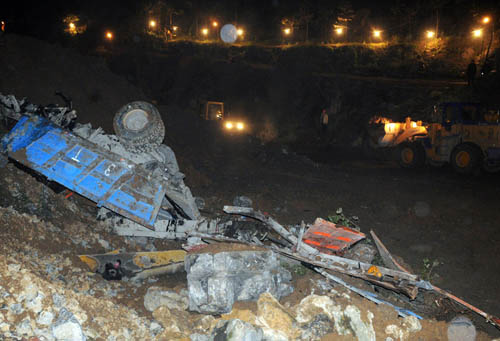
306	282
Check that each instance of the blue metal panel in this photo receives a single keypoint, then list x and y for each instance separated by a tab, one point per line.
63	170
46	147
24	132
111	171
91	184
126	201
81	155
86	168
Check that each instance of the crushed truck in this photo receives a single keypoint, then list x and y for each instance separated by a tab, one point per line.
132	176
465	135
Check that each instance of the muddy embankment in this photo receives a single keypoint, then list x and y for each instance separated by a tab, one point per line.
282	91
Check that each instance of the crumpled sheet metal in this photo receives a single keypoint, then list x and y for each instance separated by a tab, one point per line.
85	168
330	238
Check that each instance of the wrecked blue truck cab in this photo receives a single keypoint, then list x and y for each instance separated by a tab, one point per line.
131	176
85	168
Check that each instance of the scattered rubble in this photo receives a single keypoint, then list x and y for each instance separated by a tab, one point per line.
157	297
48	290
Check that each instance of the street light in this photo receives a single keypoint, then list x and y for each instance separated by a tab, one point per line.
430	34
486	20
152	23
287	31
215	24
339	31
377	33
204	31
477	33
175	28
109	35
239	32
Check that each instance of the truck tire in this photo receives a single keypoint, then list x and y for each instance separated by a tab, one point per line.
139	126
466	159
411	155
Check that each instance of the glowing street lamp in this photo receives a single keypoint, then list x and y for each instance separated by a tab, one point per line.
152	23
239	32
215	24
486	20
339	31
287	31
72	26
377	33
430	34
175	28
477	33
204	31
109	35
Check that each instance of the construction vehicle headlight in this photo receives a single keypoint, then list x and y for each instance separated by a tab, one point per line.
390	128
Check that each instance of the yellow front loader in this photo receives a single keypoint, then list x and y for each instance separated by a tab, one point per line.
462	134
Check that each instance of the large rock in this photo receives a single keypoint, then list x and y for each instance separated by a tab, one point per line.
216	281
67	327
236	330
362	330
175	323
156	297
313	305
317	328
314	311
461	328
272	315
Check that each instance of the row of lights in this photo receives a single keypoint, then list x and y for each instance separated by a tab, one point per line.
287	31
152	25
339	30
205	31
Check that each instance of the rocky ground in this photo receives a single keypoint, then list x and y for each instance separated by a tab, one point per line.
48	293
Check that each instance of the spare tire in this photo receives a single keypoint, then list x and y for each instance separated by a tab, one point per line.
139	126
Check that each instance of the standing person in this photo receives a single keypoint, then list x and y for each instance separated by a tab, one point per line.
323	120
471	73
